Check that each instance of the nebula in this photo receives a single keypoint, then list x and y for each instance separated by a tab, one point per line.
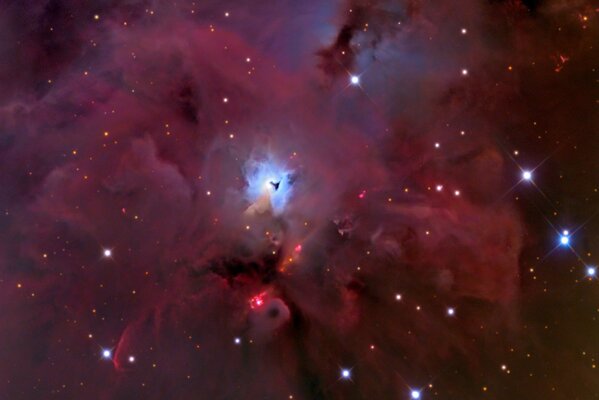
268	200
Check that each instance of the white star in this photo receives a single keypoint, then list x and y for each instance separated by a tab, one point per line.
345	373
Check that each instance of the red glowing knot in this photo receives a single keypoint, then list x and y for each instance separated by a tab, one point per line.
258	300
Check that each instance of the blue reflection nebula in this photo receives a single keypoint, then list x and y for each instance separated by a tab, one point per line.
266	176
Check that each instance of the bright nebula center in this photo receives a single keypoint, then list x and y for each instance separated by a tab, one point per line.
266	177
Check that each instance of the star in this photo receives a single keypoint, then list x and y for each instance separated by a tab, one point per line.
526	175
354	80
345	373
107	253
564	238
106	354
415	394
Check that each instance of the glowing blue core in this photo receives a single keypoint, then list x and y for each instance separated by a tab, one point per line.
268	177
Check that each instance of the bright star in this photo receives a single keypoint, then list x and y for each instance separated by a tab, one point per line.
564	240
345	373
107	253
237	340
451	311
354	80
106	354
415	394
591	272
131	359
527	175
